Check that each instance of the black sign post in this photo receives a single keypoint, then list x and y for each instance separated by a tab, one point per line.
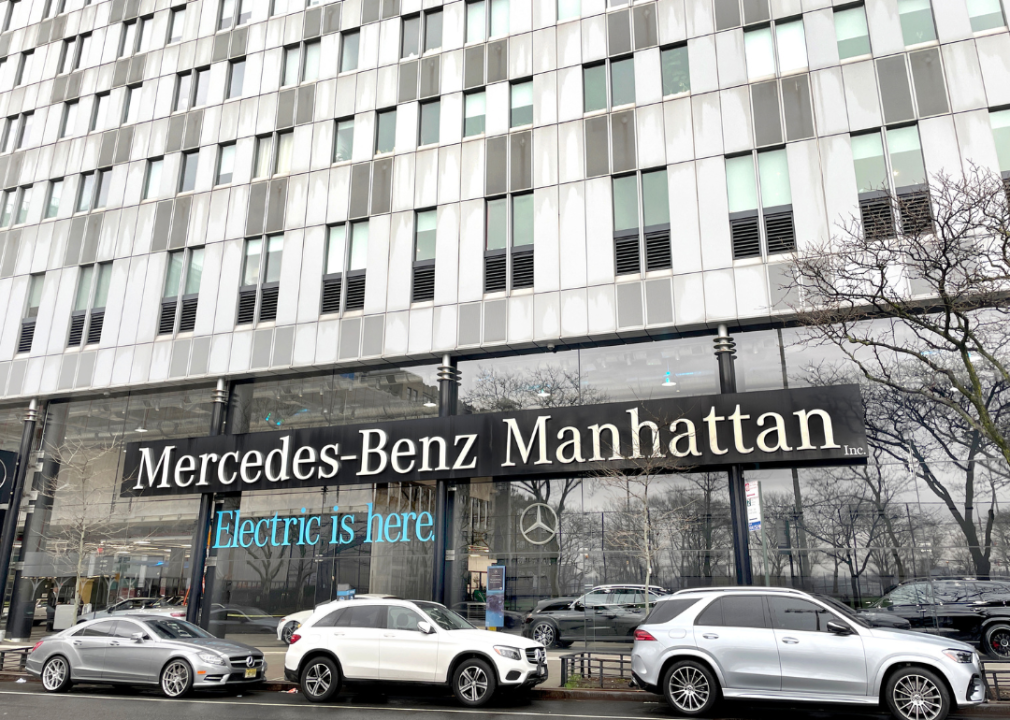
10	524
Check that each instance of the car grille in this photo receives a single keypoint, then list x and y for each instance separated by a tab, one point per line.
240	662
535	656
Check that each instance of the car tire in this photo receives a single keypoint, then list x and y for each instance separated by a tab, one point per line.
287	631
690	688
996	640
56	674
176	679
474	682
915	693
321	679
546	633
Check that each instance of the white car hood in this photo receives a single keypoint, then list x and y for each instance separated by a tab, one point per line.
488	638
933	641
298	617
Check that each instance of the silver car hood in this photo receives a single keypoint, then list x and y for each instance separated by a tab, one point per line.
225	647
900	635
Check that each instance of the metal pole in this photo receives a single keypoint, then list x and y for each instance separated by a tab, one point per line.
201	533
725	351
10	526
448	393
764	535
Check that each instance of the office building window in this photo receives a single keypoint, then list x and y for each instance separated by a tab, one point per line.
569	9
225	164
310	68
760	223
474	112
486	19
261	274
336	247
1000	123
128	38
676	70
916	21
985	15
356	267
522	104
430	118
784	41
852	33
385	135
177	25
85	193
234	13
183	92
410	38
72	52
34	301
181	294
432	30
509	235
24	72
285	150
103	181
145	34
423	289
52	207
100	112
131	104
236	78
343	142
349	51
268	162
68	123
24	202
621	86
17	132
152	178
201	88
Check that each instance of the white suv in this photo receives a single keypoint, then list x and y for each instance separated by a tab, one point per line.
780	644
405	641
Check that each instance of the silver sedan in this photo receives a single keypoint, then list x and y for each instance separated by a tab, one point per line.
144	650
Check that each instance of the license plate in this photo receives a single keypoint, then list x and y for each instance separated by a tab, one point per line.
250	673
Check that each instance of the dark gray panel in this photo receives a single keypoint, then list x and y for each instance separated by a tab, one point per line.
132	9
469	324
390	8
3	166
59	88
646	30
408	82
121	73
521	161
238	42
496	166
5	369
755	11
894	90
360	177
137	66
42	36
75	239
67	372
180	222
18	368
430	76
221	47
284	345
125	144
162	223
194	126
180	358
85	370
796	107
73	85
11	255
14	169
767	123
277	202
92	235
59	29
619	32
497	61
494	321
382	185
313	20
597	147
782	284
176	128
257	207
371	341
331	18
286	108
350	338
107	151
658	302
306	100
201	355
629	305
622	132
927	74
727	14
262	340
116	12
473	67
370	10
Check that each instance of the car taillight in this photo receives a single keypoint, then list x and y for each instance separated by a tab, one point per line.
643	636
182	615
295	638
37	646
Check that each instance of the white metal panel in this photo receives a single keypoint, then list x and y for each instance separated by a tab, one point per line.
447	254
426	178
471	251
994	58
713	211
701	58
720	295
572	242
964	76
809	213
736	119
546	317
840	190
707	122
291	274
732	63
678	117
313	266
885	27
861	95
828	93
648	77
974	135
545	156
546	258
545	99
599	231
685	232
400	263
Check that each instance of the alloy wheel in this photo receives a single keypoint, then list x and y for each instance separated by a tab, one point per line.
689	689
287	632
175	679
917	698
473	683
544	634
54	674
318	679
999	642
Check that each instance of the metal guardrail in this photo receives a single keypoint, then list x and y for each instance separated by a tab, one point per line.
997	684
13	660
597	667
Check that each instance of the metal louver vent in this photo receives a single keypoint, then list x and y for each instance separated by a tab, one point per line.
1006	188
657	250
627	251
95	328
495	277
268	304
331	294
187	321
27	333
780	233
355	293
246	306
424	284
522	269
76	329
746	233
916	213
877	217
167	322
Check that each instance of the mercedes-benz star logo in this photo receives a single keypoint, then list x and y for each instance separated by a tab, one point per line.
250	661
541	656
534	526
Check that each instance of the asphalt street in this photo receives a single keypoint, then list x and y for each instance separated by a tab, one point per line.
28	701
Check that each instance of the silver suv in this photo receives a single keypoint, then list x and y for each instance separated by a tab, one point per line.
698	646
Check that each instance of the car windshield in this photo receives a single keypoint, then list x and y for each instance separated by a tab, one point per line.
444	617
843	609
176	629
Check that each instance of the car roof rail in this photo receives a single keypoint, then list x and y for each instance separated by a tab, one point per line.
742	588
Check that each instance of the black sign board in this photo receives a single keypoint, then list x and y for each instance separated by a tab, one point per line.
7	462
806	426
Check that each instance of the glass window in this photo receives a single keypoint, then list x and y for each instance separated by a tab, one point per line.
499	18
237	79
668	610
104	281
22	214
202	87
183	90
69	122
67	61
343	146
25	135
760	53
773	167
424	235
131	105
177	25
291	60
743	611
410	44
907	167
335	247
173	277
430	112
916	21
152	181
264	150
473	123
225	165
279	7
625	204
594	87
25	69
187	178
227	14
1000	122
310	72
401	618
194	273
569	9
496	234
285	151
676	71
130	38
433	30
83	48
245	11
385	136
146	25
103	179
99	117
7	213
868	157
349	51
251	265
522	103
275	248
102	629
852	33
363	616
522	220
711	616
10	134
985	14
476	21
740	186
84	288
53	204
86	193
799	615
359	246
792	46
655	198
329	620
622	82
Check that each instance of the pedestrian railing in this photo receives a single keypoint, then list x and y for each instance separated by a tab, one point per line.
998	684
13	660
590	669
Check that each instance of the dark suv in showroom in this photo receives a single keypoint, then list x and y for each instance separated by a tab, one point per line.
961	608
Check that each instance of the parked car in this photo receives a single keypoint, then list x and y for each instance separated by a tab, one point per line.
476	614
965	609
38	612
149	606
779	644
144	650
408	641
607	612
241	620
290	623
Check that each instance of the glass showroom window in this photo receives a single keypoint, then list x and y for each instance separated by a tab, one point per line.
333	272
343	142
349	51
356	266
764	226
236	78
261	274
569	9
52	207
784	41
985	15
225	164
177	25
852	33
432	30
423	286
152	178
385	135
676	70
34	300
916	21
522	104
474	113
180	297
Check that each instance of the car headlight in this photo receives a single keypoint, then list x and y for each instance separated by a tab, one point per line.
960	656
211	658
508	652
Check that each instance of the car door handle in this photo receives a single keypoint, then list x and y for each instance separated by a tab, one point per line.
790	641
77	643
338	634
113	644
710	636
392	635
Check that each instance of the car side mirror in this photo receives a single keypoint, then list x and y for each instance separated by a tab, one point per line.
839	628
425	627
578	606
138	637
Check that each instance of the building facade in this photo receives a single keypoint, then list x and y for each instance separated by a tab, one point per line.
316	202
